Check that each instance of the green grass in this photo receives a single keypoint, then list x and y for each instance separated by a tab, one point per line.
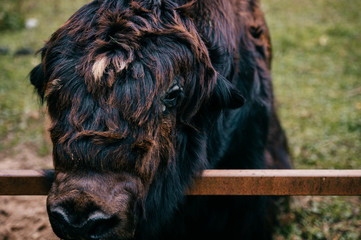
317	73
317	80
21	116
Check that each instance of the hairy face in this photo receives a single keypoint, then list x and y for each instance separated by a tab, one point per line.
128	86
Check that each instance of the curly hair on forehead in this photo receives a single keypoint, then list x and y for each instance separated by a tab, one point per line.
114	39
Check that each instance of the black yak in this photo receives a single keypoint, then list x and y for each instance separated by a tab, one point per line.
145	94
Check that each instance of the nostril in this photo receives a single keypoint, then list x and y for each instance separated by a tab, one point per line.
60	215
100	225
95	226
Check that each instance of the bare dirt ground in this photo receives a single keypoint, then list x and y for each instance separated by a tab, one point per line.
24	217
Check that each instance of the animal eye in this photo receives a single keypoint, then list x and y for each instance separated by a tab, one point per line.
170	99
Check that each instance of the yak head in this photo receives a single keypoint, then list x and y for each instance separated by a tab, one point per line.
132	96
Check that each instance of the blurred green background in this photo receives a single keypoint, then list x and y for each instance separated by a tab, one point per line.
316	73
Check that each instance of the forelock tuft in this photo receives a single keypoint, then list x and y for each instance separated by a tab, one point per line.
99	67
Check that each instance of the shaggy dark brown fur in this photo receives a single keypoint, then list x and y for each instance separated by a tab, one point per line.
143	96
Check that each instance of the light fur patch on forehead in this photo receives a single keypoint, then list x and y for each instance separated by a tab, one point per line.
101	64
99	67
119	64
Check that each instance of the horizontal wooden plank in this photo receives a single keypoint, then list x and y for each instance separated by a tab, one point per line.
218	182
278	182
25	182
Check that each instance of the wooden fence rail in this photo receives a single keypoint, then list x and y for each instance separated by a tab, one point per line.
218	182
